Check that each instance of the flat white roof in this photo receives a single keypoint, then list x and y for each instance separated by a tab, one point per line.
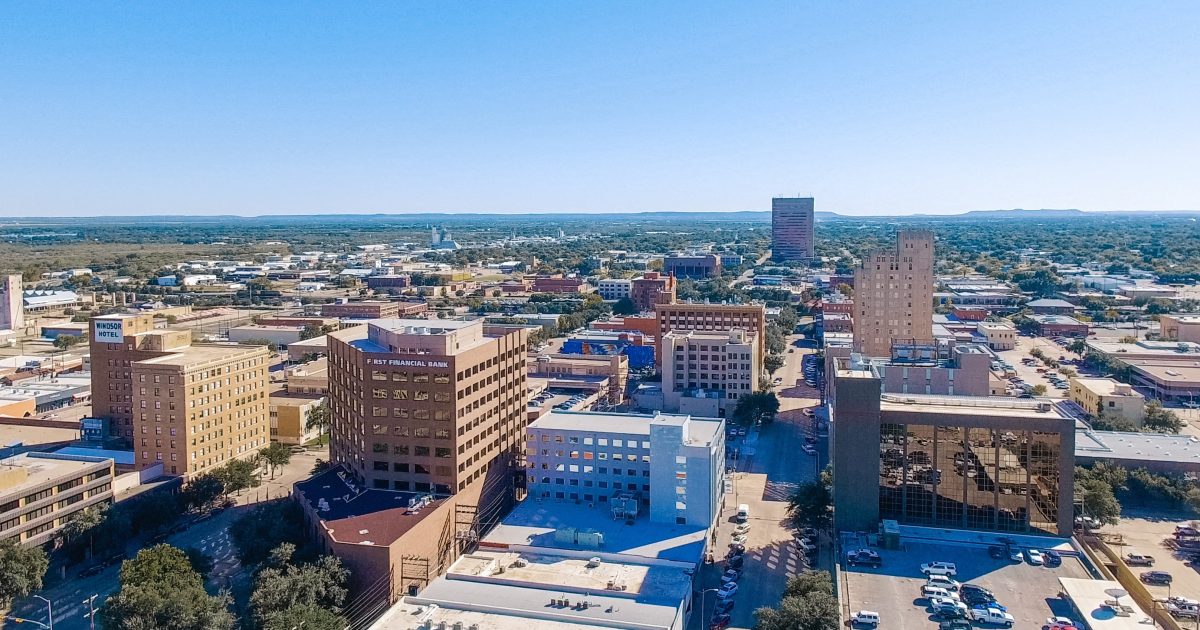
1089	597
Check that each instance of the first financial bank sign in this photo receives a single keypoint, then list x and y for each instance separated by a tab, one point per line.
410	363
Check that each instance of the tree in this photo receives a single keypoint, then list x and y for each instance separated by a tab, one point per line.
807	604
1099	501
1158	418
21	571
1038	390
66	342
773	362
160	589
624	306
311	331
102	526
788	320
275	456
321	584
756	407
203	491
154	511
810	506
318	418
237	475
307	617
266	527
201	562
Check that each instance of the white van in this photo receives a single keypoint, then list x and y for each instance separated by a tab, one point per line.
743	513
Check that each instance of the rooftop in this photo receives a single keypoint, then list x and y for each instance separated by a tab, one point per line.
1050	303
358	515
701	430
971	405
42	468
1089	597
1156	447
1106	387
1177	373
423	326
1056	319
647	581
199	354
534	522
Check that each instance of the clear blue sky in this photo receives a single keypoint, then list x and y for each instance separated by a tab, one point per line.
873	108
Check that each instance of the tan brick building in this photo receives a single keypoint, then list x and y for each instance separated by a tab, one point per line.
711	318
893	295
191	407
426	405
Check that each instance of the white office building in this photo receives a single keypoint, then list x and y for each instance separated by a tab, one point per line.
705	373
614	288
667	464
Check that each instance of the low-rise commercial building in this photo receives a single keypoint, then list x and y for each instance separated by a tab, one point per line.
636	346
670	466
934	369
41	492
999	335
310	378
1179	328
702	266
997	464
1059	326
281	336
1103	397
289	416
1051	306
707	373
557	284
608	375
361	310
646	325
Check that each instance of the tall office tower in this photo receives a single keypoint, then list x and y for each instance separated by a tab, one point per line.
792	220
191	408
12	307
427	405
893	295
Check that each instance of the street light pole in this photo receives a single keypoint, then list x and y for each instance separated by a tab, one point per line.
702	594
49	611
91	615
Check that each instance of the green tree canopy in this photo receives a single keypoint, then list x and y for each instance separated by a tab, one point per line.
756	407
21	571
160	589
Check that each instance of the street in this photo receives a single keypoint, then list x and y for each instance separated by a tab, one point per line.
769	467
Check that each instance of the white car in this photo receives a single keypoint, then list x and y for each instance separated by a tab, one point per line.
865	618
740	539
937	592
806	545
939	568
1060	623
937	602
943	581
993	616
1034	557
742	528
728	590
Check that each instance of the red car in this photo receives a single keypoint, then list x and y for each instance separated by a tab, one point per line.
719	622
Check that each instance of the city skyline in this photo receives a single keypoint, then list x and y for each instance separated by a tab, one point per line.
536	108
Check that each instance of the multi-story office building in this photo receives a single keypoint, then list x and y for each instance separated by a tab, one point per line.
189	407
651	289
999	464
893	295
792	223
41	492
711	318
372	309
614	288
705	373
698	266
426	405
670	464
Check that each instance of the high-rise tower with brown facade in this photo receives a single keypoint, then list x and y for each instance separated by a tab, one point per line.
893	295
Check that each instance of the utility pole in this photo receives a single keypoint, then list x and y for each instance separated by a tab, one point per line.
49	611
91	614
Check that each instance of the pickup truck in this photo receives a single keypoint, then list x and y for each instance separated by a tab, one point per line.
1138	560
992	616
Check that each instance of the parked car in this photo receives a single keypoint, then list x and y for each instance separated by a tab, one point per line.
1014	555
955	624
1139	560
944	581
723	606
940	604
806	544
1053	558
740	539
731	575
864	557
1155	577
975	590
865	618
937	592
997	552
1060	623
719	622
939	568
808	449
992	616
735	562
1034	557
729	589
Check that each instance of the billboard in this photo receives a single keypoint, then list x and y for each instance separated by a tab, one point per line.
108	331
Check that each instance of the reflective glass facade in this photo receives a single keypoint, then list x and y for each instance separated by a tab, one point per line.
973	478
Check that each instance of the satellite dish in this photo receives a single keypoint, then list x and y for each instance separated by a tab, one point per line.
1116	593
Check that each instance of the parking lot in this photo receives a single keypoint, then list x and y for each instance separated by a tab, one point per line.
1029	372
1148	536
1029	592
